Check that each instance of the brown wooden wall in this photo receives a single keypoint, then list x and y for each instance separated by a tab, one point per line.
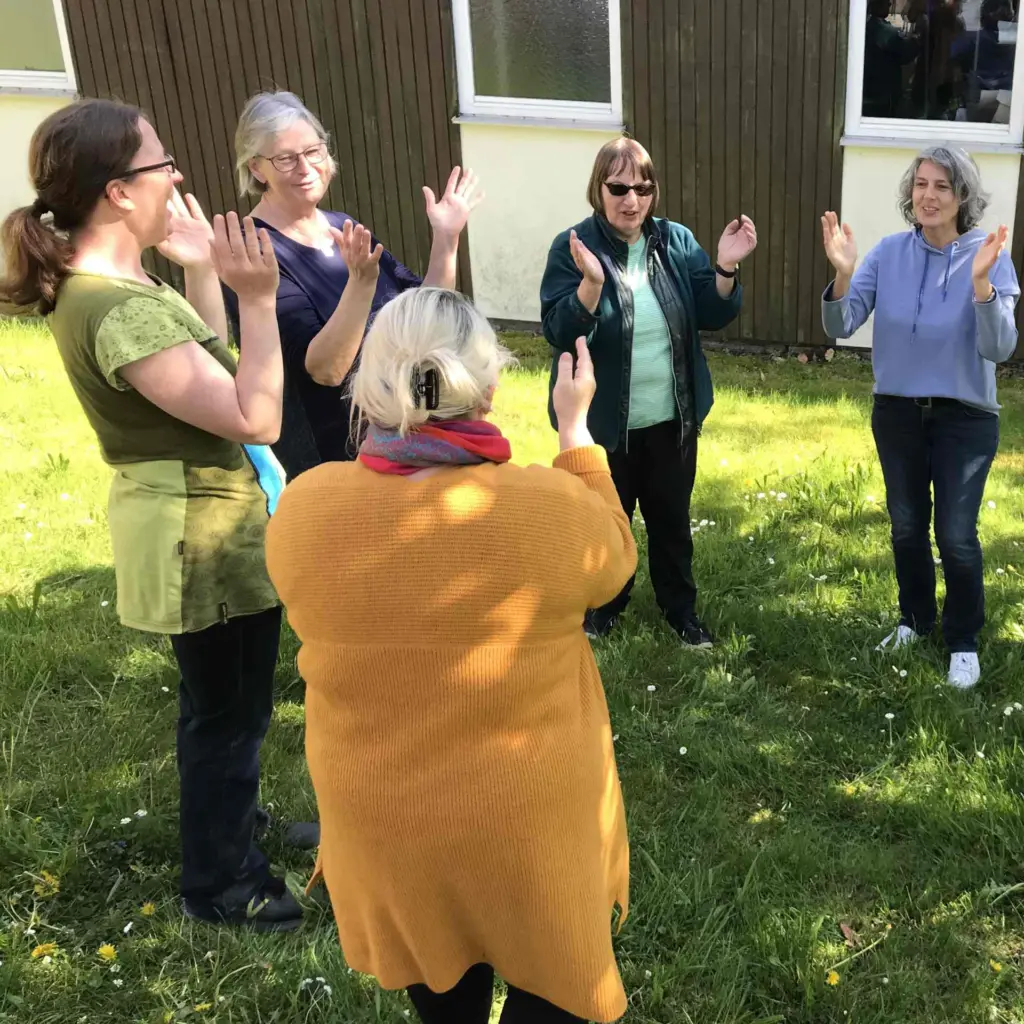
380	75
740	103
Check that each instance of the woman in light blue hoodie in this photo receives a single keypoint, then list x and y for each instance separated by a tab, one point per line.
943	295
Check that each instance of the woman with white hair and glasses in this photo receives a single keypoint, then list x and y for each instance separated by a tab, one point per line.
943	294
334	275
456	727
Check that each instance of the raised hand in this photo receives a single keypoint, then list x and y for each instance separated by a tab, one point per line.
572	395
988	252
244	261
190	236
840	245
353	242
738	241
449	214
586	262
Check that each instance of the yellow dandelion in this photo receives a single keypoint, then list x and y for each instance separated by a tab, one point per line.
107	953
994	964
832	978
48	885
148	909
45	949
202	1007
850	789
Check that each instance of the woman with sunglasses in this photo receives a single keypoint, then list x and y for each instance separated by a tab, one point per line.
284	160
183	427
641	290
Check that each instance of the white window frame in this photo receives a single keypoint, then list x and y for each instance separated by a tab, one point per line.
557	111
891	129
46	81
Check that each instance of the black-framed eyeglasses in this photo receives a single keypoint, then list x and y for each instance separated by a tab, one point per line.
286	162
620	189
167	165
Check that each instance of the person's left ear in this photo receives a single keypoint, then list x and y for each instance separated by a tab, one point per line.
118	197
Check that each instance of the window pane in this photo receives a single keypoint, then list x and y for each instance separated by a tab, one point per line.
29	41
541	49
940	60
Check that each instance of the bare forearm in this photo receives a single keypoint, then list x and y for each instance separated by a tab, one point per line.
841	285
726	285
589	294
203	291
259	382
444	257
331	353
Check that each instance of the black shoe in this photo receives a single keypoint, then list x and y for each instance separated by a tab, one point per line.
597	625
303	835
262	825
694	634
272	909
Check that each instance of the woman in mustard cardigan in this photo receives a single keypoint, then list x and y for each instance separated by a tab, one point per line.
456	727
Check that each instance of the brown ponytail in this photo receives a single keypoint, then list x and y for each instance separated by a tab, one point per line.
74	154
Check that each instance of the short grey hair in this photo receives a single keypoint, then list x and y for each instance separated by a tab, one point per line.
964	177
263	116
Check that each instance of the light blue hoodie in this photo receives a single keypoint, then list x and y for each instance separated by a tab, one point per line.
931	339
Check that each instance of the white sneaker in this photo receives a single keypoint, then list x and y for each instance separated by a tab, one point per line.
964	670
901	636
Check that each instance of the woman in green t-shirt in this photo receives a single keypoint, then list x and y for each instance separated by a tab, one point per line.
183	428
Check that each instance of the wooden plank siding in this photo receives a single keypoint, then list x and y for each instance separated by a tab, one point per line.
381	78
740	103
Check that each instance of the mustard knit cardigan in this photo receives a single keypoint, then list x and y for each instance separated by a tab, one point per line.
456	727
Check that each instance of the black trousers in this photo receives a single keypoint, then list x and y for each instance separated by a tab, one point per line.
225	703
948	448
654	470
470	1003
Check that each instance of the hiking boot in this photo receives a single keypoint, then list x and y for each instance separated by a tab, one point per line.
272	909
694	633
598	624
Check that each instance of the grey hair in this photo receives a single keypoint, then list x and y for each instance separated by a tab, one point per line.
263	116
964	178
426	329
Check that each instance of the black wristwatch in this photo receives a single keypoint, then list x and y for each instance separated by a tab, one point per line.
726	273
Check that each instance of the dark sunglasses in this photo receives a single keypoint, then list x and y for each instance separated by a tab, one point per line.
618	189
167	165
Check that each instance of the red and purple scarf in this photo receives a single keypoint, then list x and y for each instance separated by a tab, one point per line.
439	443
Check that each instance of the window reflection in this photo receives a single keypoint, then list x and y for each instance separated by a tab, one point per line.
940	60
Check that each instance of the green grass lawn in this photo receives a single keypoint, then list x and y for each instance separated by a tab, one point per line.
772	802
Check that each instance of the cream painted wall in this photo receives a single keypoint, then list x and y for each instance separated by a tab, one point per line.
20	114
871	176
536	182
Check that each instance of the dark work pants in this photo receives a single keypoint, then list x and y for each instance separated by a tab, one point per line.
225	702
470	1003
654	470
948	448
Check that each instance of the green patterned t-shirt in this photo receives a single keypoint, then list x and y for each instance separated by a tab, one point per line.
187	513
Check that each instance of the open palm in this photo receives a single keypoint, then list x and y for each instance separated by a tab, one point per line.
840	245
188	242
987	254
449	214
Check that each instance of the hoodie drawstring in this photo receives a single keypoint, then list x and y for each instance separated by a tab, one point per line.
949	266
920	294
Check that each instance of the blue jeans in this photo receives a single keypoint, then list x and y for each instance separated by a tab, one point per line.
946	447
